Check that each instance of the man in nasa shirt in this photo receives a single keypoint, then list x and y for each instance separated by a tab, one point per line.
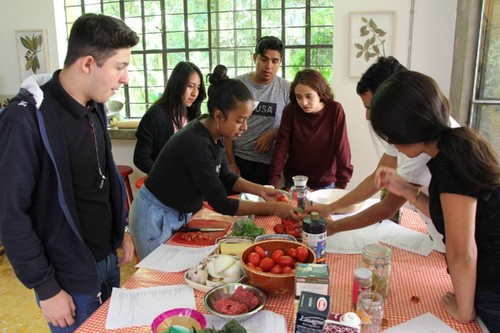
250	155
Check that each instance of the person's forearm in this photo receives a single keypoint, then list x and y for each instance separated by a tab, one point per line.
385	209
273	133
414	195
463	277
259	208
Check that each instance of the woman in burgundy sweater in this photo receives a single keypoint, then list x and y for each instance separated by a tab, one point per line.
312	138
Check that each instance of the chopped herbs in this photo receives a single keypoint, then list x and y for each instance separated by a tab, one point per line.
245	226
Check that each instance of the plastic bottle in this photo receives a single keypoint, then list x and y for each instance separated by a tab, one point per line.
362	281
299	192
314	235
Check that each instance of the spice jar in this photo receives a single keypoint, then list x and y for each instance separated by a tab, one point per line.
377	258
314	235
362	281
299	192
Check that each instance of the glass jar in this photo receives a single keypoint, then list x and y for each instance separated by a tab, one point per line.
370	309
362	281
377	258
299	192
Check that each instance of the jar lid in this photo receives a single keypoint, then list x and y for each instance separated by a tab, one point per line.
377	251
363	273
351	319
299	180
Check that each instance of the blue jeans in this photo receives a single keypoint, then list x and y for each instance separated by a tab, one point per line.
152	223
108	276
487	304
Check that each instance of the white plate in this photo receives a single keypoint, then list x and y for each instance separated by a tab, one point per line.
250	197
327	196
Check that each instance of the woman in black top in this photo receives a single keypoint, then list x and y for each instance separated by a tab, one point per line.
410	112
179	104
192	167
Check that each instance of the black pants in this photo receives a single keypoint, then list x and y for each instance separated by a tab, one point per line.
253	171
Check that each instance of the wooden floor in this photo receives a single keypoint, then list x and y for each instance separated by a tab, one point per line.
19	312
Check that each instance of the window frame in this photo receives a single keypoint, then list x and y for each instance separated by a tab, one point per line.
215	35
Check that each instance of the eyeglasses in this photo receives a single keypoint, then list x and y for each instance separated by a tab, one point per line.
102	178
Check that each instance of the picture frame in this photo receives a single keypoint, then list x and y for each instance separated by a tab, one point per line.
32	52
371	35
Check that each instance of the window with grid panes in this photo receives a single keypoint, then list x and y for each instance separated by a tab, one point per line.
211	32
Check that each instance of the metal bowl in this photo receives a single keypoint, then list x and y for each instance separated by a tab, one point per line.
225	292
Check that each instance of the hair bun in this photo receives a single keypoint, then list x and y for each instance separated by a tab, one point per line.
218	75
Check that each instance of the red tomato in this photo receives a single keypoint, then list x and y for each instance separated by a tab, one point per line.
286	270
260	251
285	261
302	253
292	252
254	258
249	264
276	269
266	264
259	269
276	254
282	198
279	229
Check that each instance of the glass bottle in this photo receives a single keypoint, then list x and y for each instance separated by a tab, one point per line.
314	235
299	192
377	258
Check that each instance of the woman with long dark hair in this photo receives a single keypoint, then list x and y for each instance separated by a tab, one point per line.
179	104
410	112
312	137
193	167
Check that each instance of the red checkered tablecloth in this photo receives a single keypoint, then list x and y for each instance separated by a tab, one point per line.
412	275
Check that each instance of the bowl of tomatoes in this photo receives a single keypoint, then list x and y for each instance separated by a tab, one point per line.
270	265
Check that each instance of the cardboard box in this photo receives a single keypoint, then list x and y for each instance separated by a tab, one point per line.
314	278
313	309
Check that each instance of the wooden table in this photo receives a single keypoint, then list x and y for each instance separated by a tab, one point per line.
413	276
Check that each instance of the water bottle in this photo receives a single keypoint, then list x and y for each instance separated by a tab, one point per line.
299	192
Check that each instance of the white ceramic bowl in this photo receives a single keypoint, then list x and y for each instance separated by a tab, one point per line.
327	196
226	291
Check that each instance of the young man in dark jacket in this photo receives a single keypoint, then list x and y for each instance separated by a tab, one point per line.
62	199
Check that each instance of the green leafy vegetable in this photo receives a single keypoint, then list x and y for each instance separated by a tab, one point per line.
231	327
246	227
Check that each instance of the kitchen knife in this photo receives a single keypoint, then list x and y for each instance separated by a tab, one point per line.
187	229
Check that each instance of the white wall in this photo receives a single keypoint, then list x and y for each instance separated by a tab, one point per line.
431	53
24	15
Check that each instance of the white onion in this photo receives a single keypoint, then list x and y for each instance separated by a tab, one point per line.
227	267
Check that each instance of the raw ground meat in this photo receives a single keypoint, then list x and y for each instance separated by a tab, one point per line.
228	306
246	297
